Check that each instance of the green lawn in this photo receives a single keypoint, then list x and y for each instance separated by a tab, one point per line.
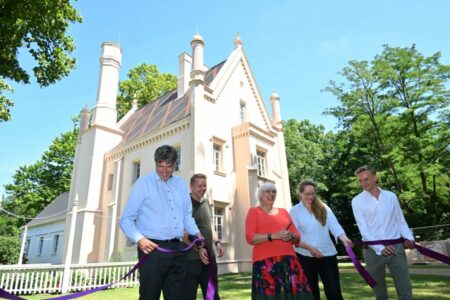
237	286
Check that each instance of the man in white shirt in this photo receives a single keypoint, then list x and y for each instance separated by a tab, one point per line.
379	217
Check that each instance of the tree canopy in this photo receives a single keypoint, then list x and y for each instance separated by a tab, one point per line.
145	84
40	28
394	111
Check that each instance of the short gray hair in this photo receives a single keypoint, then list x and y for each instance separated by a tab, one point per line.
267	186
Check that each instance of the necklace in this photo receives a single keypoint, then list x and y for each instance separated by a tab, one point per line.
269	211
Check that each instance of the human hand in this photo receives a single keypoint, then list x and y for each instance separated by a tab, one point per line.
203	256
220	249
347	242
315	252
285	235
388	250
146	245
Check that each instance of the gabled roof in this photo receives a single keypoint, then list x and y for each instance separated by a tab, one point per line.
56	210
162	112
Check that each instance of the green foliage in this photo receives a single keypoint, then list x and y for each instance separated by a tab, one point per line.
9	250
5	103
40	28
36	185
305	153
394	115
144	84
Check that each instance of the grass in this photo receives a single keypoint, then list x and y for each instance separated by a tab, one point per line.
238	286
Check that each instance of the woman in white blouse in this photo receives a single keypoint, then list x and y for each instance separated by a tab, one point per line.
317	253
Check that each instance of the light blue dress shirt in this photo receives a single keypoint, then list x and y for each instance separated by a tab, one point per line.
158	209
313	232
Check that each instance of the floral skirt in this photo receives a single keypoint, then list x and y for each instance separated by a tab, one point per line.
280	278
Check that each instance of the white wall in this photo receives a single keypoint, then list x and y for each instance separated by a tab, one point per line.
47	232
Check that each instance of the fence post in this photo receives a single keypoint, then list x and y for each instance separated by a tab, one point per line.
68	258
22	247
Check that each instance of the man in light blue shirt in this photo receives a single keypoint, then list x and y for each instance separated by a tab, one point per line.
157	213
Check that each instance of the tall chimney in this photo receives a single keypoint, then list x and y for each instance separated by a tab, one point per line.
185	66
104	112
276	116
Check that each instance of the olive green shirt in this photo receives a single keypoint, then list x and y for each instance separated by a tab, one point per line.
201	212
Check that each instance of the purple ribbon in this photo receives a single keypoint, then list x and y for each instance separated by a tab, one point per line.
363	272
368	278
211	284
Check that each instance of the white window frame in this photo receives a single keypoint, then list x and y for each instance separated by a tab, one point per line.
217	157
55	243
261	162
136	171
219	222
40	246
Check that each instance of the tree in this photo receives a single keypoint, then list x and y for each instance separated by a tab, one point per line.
394	110
144	84
40	27
305	153
36	185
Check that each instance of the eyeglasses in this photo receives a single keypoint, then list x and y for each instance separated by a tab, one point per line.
271	191
309	194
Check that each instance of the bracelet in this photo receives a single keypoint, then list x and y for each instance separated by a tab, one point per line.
269	237
217	242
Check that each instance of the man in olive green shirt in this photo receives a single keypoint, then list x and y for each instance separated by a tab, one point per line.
198	273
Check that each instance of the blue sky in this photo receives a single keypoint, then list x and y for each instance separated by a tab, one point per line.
294	47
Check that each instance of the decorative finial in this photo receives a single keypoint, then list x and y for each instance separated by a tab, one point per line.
237	40
134	104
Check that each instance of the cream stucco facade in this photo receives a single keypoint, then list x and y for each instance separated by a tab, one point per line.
216	118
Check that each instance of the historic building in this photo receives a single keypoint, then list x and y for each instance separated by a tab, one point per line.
217	120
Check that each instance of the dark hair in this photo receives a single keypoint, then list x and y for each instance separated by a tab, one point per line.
197	176
365	168
317	206
166	153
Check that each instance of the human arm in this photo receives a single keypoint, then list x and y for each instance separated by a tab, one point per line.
313	250
403	227
130	212
336	229
219	247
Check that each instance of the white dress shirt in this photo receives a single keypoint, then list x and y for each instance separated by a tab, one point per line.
380	219
313	232
158	209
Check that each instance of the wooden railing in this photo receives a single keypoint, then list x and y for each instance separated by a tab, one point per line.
37	279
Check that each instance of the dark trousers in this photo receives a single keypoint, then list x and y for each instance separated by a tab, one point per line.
198	274
163	271
327	268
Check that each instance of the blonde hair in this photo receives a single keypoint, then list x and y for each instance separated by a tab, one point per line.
317	206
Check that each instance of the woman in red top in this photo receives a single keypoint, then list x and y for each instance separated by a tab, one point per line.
277	273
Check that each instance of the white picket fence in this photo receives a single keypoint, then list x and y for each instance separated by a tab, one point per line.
37	279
